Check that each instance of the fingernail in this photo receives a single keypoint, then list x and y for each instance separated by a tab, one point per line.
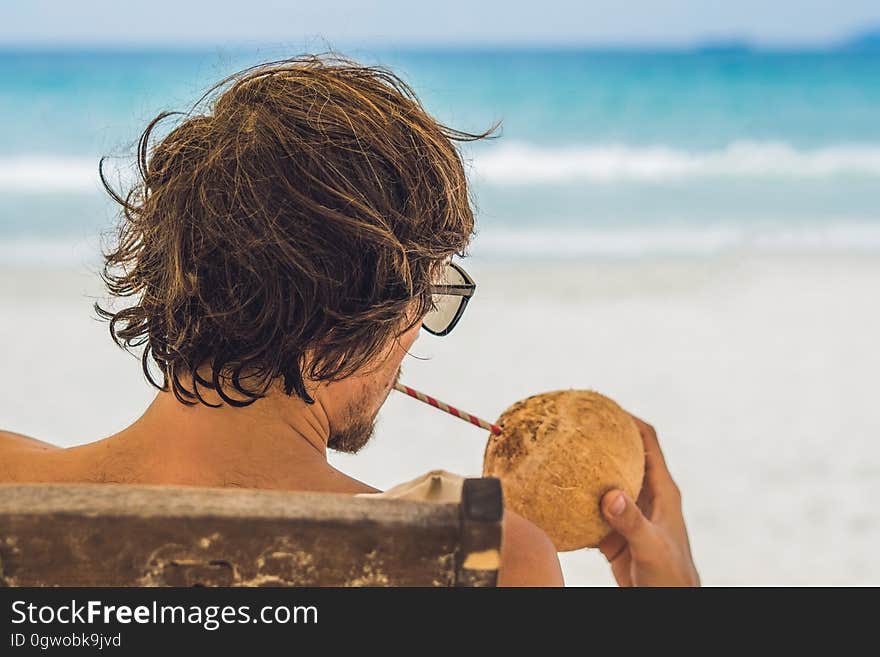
618	505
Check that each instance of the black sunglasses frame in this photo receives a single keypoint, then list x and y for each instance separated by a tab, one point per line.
465	290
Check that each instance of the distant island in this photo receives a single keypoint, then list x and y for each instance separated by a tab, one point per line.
864	40
868	40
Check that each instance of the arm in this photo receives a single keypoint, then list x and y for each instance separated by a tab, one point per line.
528	557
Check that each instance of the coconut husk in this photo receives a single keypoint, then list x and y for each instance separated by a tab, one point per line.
558	454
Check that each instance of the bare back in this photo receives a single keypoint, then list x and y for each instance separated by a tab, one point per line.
24	459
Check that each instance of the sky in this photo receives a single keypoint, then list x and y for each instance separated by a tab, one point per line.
782	23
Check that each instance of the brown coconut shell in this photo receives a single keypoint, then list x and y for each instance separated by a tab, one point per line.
558	454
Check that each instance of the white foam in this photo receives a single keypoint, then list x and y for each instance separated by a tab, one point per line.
49	173
518	163
525	163
564	243
698	240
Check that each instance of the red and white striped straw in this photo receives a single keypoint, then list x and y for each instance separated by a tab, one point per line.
473	419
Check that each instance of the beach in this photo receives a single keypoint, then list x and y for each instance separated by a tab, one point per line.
758	371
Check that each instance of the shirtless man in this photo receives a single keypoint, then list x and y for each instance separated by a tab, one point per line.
279	256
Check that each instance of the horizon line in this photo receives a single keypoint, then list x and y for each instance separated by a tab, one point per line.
709	45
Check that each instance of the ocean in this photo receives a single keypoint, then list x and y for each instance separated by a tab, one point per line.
600	154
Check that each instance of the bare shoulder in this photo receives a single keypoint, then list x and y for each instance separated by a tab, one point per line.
528	556
10	442
21	457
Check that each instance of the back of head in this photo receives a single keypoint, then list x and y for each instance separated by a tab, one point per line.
286	231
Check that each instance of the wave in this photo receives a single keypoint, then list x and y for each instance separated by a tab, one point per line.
558	243
525	163
678	240
48	173
519	163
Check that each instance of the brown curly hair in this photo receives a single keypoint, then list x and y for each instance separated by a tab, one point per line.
284	228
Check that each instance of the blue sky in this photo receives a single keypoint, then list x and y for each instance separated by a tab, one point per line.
415	22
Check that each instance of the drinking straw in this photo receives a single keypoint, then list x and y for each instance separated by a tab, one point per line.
467	417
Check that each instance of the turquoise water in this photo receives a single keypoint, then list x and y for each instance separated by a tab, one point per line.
600	153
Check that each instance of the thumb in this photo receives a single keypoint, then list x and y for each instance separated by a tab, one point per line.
627	519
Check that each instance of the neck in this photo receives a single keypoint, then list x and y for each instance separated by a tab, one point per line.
276	442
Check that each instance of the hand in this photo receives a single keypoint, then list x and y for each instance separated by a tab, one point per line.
649	545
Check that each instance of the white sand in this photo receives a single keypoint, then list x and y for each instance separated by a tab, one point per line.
760	375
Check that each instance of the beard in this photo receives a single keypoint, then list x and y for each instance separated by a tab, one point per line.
351	438
360	426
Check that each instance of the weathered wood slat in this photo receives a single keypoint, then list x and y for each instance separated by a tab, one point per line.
112	535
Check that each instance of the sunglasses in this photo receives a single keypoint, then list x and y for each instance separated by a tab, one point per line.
451	297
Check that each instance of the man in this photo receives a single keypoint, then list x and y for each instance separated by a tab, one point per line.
282	251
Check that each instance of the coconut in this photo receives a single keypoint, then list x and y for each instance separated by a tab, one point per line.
558	454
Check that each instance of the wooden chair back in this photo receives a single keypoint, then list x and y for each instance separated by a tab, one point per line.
121	535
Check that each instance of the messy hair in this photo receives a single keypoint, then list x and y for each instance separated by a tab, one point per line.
284	228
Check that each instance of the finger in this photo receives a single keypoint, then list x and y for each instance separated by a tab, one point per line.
615	550
612	546
627	520
621	568
657	475
645	502
653	453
